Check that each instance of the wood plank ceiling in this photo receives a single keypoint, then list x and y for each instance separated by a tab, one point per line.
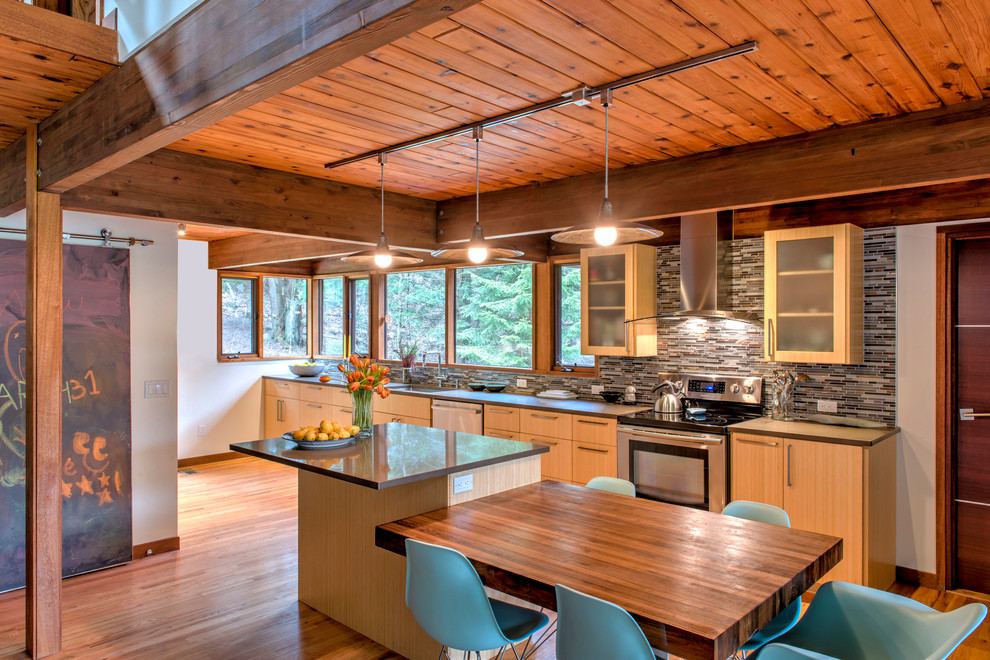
821	63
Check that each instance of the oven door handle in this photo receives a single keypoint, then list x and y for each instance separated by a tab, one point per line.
660	437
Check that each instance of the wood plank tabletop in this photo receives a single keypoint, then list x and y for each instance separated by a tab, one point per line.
698	583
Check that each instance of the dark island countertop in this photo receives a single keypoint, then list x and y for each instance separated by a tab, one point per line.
575	406
395	454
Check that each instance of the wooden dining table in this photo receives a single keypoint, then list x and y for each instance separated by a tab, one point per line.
698	583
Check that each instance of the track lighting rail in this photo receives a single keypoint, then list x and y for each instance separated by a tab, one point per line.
581	97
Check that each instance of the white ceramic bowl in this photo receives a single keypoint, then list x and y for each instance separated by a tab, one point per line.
305	370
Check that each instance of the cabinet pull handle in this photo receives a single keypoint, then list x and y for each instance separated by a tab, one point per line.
541	441
772	346
597	451
498	435
585	421
313	405
789	466
764	443
543	416
500	411
626	340
278	410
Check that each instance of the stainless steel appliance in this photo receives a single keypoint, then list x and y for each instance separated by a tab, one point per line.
682	458
457	416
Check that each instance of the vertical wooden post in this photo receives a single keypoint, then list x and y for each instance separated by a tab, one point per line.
43	422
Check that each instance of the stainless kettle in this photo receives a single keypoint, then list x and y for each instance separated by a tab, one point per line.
670	401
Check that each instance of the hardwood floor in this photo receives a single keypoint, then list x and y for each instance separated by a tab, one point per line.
230	592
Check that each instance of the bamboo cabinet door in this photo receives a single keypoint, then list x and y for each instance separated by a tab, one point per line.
823	492
281	415
590	460
618	283
757	469
814	294
555	464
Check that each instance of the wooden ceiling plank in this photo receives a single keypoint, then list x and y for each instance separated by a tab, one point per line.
181	187
236	63
256	249
919	30
439	28
968	21
642	98
50	29
801	30
924	148
859	29
488	50
733	24
380	88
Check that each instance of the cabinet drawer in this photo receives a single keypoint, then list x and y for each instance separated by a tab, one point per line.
597	430
501	417
415	421
404	405
548	424
590	460
757	468
342	415
314	393
340	397
499	433
555	464
282	388
311	414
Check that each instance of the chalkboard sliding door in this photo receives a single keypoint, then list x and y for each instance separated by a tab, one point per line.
96	410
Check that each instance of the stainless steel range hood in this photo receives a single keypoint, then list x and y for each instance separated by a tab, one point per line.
706	270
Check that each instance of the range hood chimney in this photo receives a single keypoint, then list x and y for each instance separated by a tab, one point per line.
706	271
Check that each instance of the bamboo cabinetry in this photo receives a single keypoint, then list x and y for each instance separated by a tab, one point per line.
618	284
281	407
581	446
838	489
404	409
814	294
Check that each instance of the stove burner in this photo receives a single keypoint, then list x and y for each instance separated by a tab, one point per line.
711	421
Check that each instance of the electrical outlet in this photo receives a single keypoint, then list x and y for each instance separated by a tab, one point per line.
202	430
597	389
827	406
520	382
463	484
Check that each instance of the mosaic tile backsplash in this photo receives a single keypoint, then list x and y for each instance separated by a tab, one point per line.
730	347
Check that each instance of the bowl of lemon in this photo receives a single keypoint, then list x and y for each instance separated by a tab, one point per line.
325	435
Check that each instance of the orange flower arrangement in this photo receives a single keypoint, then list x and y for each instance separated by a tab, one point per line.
365	378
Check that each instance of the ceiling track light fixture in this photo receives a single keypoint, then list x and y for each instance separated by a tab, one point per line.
382	256
477	250
607	230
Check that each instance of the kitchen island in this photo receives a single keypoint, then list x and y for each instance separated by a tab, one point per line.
399	471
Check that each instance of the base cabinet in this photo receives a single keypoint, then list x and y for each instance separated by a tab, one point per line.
589	461
836	489
281	415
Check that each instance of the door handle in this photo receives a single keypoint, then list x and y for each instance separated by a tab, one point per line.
597	451
278	410
500	411
313	405
789	484
585	421
967	415
762	443
543	416
771	348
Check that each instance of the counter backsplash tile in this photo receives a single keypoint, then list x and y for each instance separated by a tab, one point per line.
861	390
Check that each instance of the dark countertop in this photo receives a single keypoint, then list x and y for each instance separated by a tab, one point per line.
395	454
575	406
815	432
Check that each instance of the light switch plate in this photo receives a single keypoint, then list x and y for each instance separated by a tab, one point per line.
828	406
520	382
156	389
202	430
597	389
463	484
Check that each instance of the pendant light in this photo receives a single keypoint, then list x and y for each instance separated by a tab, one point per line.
477	250
382	256
607	230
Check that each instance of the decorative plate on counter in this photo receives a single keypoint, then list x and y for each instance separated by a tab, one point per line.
318	444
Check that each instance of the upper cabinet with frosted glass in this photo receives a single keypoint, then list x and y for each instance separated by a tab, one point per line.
618	283
814	295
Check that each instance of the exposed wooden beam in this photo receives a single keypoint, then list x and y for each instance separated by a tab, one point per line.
43	415
255	249
221	57
12	176
180	187
40	26
938	146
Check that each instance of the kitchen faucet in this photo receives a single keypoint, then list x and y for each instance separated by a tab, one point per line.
441	374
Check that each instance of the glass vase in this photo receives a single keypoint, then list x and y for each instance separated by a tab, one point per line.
361	411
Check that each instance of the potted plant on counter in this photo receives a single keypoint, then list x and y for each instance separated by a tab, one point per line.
365	380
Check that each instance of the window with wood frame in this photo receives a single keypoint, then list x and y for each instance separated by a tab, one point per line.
567	318
493	316
415	313
285	314
238	316
359	325
331	311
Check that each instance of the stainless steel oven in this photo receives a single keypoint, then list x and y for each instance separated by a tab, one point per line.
679	467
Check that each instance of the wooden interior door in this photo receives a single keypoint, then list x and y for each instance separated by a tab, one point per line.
971	435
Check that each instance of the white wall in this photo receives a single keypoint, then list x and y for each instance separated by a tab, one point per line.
153	357
224	397
139	20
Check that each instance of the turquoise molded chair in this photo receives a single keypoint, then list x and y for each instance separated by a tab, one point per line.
613	485
447	599
853	622
772	515
785	652
589	628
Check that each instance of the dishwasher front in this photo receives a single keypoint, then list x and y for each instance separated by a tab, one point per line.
458	416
